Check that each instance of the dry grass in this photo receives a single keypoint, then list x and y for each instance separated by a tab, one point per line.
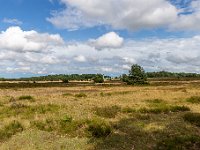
61	117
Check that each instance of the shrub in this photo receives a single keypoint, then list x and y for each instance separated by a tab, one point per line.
81	95
179	143
128	110
193	99
10	130
99	128
98	78
164	109
108	112
66	119
154	110
193	118
179	108
67	94
105	94
124	78
65	80
155	101
27	97
102	94
69	127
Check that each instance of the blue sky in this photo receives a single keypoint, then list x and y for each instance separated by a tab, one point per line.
33	14
40	37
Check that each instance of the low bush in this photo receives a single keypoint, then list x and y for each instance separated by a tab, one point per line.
70	127
27	97
179	143
81	95
98	78
179	108
99	128
156	101
193	118
65	80
164	109
193	99
105	94
128	110
10	130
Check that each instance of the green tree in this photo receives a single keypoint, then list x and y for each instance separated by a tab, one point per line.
136	75
124	78
65	80
98	78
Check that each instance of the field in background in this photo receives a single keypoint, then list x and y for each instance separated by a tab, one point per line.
164	114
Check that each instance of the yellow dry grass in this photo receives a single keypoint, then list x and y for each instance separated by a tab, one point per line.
84	108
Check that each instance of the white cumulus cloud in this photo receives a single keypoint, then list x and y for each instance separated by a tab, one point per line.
119	14
127	14
108	40
14	38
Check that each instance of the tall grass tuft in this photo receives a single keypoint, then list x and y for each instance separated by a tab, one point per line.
99	128
65	125
193	118
10	130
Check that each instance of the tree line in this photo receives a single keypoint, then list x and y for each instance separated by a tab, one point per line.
165	74
62	77
136	75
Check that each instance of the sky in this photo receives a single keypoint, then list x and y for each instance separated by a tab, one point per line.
40	37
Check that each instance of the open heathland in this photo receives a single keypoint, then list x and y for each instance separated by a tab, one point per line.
158	116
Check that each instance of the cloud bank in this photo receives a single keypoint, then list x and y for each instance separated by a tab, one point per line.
126	14
31	52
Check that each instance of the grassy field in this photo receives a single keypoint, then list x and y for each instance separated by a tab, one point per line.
154	117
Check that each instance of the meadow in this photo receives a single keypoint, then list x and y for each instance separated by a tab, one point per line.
55	116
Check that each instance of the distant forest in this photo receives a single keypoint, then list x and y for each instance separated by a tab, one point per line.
165	74
87	77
